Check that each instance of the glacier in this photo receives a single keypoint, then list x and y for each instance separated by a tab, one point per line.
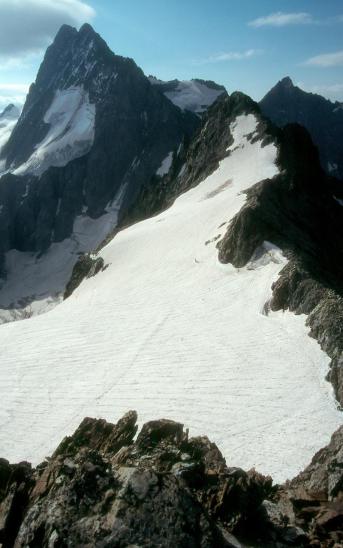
168	330
71	121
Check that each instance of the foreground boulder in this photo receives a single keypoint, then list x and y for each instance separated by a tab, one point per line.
102	487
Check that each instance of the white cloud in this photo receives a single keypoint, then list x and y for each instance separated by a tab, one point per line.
331	91
27	26
12	93
326	60
281	19
14	87
230	56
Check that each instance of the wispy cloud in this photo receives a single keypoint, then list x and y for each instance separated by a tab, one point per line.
12	93
325	60
23	88
229	56
331	91
281	19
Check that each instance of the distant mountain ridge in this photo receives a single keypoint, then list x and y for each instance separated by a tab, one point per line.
194	95
286	103
11	112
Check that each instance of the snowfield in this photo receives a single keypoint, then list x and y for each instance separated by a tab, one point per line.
169	331
71	120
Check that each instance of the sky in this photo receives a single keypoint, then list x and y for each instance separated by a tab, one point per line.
246	45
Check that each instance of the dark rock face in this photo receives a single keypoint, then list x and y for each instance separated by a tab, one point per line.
101	488
135	128
287	103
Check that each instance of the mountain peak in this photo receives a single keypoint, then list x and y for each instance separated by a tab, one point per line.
286	82
65	32
10	112
87	29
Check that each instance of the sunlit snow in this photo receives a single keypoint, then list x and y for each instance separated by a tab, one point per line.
169	331
71	120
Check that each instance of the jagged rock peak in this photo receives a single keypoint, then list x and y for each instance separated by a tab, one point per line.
77	62
286	82
73	56
86	28
71	33
287	103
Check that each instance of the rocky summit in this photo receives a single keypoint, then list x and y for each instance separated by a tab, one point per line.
286	103
92	130
105	487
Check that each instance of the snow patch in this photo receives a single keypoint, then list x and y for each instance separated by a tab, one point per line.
71	118
166	165
339	201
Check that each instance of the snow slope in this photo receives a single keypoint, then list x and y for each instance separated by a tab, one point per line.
169	331
71	118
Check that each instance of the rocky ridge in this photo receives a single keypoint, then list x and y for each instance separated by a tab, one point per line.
104	487
297	211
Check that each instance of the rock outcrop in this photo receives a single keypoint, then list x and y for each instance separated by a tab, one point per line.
85	267
104	488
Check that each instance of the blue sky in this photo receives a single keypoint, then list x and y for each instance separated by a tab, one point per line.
244	44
